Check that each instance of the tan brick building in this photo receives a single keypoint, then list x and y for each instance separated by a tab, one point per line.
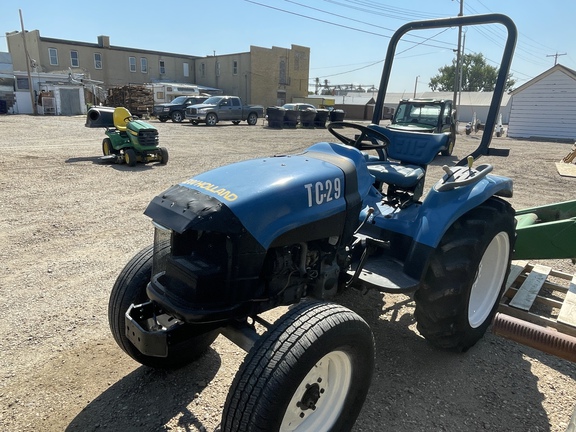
261	76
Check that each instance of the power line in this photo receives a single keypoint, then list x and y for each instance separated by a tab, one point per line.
555	57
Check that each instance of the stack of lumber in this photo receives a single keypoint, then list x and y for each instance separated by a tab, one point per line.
138	99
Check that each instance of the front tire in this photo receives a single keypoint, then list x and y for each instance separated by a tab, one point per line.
130	288
163	155
130	157
211	119
177	116
466	277
309	372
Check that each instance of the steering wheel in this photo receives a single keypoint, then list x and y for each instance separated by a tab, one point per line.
367	140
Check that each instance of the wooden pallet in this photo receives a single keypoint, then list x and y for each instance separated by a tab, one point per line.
542	296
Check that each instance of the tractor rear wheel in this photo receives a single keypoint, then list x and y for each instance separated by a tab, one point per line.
107	148
309	372
130	288
466	277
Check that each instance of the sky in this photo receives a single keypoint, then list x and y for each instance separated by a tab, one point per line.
348	39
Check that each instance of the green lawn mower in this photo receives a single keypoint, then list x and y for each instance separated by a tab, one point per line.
128	139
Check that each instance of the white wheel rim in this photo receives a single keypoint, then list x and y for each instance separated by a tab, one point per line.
331	376
491	272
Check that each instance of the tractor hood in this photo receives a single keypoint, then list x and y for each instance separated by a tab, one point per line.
135	126
271	197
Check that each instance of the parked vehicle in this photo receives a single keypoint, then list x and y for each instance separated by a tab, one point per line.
328	218
427	115
128	140
175	109
224	108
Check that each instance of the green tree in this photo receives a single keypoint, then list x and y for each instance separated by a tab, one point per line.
477	75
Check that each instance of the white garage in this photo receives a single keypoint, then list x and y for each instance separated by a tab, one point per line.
545	107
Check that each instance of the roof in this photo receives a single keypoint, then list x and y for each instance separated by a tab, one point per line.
557	67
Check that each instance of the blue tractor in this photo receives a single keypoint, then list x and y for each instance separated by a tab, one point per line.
339	214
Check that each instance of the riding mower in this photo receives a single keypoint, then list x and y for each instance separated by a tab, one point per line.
129	140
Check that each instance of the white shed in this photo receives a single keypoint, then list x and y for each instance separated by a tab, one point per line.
545	107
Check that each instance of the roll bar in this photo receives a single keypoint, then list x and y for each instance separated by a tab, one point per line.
469	20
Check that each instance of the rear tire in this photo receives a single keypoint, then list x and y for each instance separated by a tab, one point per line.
309	372
252	119
466	277
107	148
130	287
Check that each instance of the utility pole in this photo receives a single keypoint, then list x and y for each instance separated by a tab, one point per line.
416	85
457	69
34	107
556	57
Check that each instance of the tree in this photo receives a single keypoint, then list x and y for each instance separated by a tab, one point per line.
476	75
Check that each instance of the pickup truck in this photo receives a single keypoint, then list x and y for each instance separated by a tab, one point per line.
175	110
224	108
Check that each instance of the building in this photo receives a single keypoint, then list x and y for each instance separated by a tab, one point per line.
260	76
544	106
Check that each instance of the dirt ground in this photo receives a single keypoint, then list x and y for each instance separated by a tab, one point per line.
68	225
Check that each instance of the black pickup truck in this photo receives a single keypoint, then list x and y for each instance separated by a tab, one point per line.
175	110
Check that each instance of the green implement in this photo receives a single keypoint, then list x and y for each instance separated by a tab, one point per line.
546	232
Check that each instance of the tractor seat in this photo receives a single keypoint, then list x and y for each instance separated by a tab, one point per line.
395	174
121	117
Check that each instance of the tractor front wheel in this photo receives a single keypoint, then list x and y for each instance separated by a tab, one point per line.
466	277
163	155
130	288
130	157
309	372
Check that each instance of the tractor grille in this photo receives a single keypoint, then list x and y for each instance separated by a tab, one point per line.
148	137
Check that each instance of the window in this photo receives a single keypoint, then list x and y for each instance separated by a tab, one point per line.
143	65
217	68
53	54
186	69
236	102
74	62
22	84
159	95
97	61
202	70
132	64
162	67
282	68
235	67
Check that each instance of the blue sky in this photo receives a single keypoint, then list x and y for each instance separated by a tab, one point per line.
347	38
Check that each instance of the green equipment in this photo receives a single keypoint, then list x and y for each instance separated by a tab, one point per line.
128	139
546	232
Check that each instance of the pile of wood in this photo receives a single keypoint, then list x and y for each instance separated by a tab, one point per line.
137	98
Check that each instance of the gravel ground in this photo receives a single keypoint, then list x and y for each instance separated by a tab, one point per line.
68	225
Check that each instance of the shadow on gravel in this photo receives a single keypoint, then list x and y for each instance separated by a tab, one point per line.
146	399
419	388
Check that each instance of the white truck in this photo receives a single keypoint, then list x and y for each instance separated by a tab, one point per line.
224	108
